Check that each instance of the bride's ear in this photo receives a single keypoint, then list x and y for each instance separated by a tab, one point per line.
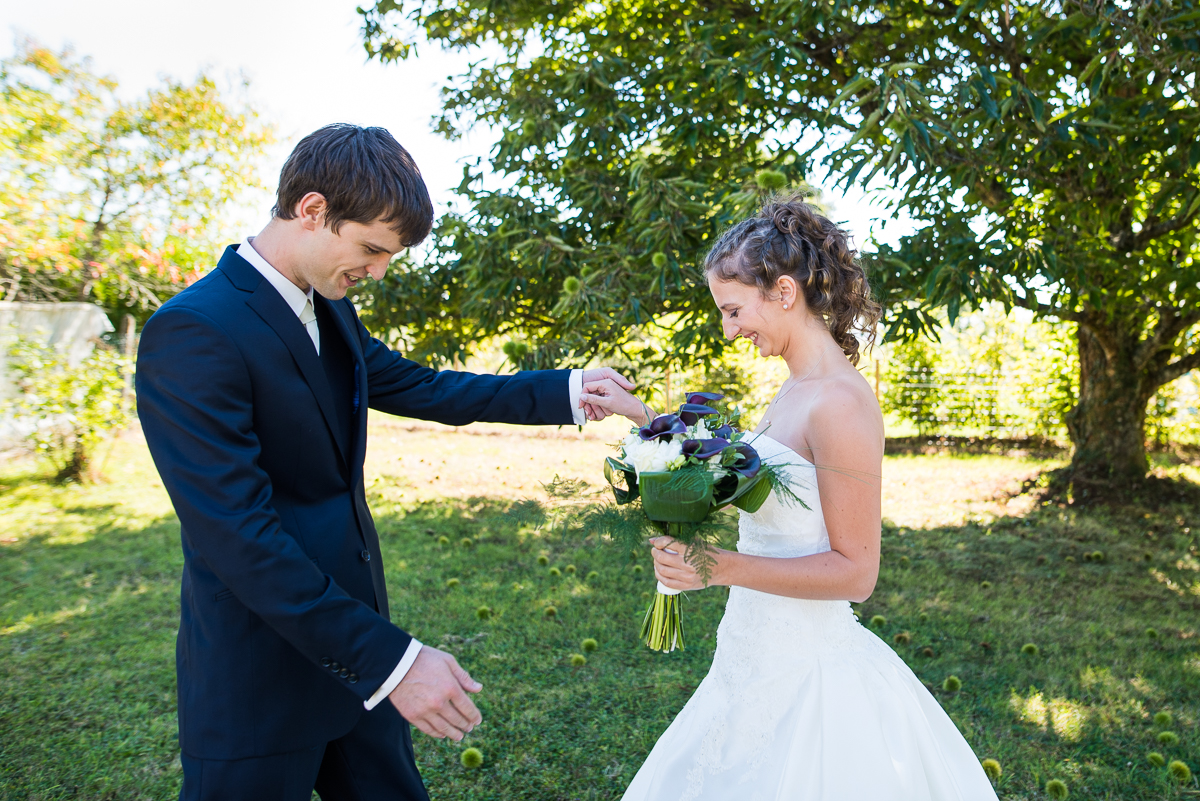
788	291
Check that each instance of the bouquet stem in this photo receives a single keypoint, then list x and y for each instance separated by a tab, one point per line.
662	629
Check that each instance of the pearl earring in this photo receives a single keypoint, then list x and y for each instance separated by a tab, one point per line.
785	305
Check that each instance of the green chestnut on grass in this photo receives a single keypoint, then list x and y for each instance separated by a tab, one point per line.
1057	789
592	576
1162	718
1179	771
443	540
952	684
570	569
878	620
452	583
1029	649
1168	738
471	758
554	571
543	560
659	260
991	768
589	645
1156	759
1152	633
550	612
902	638
483	612
466	542
578	660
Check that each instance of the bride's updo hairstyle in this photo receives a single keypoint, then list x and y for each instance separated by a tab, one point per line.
790	237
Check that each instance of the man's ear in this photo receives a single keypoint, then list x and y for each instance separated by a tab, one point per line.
311	211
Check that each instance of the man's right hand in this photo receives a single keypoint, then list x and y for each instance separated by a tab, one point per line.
433	696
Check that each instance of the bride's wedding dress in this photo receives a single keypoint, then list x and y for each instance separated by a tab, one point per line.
802	702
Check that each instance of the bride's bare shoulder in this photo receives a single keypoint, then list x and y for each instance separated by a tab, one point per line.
846	405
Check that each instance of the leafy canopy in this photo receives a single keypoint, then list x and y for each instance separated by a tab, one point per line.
1046	150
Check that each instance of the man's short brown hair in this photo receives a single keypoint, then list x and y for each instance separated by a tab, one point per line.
364	174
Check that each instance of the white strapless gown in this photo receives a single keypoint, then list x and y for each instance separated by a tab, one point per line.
802	702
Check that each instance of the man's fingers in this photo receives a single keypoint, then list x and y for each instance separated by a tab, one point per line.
621	380
447	728
464	678
462	706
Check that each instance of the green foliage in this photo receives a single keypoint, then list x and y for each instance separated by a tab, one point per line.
120	203
992	373
1046	152
72	410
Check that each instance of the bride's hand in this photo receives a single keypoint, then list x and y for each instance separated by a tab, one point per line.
613	398
671	566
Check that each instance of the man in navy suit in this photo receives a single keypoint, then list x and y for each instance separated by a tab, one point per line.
253	386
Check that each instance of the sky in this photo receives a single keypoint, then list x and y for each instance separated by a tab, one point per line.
306	68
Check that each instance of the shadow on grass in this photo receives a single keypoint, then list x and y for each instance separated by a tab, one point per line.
87	637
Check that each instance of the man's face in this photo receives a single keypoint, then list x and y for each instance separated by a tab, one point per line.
332	263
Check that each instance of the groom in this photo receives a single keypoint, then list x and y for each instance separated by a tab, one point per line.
253	387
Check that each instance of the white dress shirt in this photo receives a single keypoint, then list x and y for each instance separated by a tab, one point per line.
301	302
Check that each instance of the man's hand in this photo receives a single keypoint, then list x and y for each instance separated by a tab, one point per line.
433	696
596	377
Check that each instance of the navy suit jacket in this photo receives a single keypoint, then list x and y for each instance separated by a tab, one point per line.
284	623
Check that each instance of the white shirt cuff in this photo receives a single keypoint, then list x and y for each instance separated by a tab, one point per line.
397	676
575	386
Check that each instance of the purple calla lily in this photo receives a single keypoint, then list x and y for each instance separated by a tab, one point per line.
664	425
724	432
703	397
689	413
704	449
750	463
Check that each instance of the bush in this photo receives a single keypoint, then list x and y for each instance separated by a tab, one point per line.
75	408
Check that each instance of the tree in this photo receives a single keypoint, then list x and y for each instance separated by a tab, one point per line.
117	203
1047	151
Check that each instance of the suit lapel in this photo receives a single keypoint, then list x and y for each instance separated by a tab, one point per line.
268	304
349	334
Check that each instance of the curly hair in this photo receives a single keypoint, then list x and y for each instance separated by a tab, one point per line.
790	237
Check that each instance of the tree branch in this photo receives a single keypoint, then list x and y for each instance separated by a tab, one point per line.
1179	367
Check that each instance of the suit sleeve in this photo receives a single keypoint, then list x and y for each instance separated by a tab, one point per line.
195	402
402	387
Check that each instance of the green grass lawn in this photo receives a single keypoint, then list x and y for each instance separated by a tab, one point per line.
972	572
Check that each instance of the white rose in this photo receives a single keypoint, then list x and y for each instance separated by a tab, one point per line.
652	456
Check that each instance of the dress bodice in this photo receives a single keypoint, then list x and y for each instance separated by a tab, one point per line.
782	527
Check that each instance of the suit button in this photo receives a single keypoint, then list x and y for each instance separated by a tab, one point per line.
366	555
343	673
352	678
333	666
324	661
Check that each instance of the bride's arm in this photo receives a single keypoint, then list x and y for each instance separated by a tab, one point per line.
846	435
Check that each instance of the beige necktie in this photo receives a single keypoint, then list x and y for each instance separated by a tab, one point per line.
308	317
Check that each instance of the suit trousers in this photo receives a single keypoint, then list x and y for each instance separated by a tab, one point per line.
373	762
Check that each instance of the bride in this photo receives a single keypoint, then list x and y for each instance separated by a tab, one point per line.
801	701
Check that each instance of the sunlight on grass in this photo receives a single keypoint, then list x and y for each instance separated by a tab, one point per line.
100	716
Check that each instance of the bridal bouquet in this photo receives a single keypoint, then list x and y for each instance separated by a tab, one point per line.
680	469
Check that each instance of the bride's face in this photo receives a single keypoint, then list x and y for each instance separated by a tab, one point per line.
746	313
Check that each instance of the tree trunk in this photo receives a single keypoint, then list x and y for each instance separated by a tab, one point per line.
1107	425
